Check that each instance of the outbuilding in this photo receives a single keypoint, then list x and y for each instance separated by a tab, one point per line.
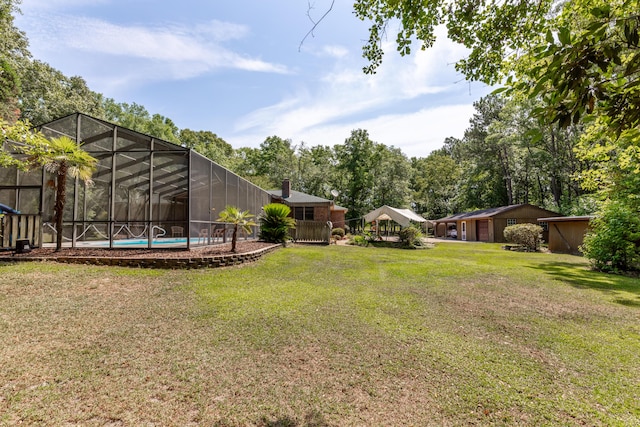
487	225
566	233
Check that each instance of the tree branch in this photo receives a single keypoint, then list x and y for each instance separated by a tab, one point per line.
315	23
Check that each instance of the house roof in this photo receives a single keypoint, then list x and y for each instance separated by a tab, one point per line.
299	198
401	216
485	213
566	218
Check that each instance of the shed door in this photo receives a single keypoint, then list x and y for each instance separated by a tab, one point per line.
483	230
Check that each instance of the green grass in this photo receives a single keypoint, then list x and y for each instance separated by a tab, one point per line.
314	336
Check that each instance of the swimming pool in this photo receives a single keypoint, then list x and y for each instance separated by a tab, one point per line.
169	242
145	242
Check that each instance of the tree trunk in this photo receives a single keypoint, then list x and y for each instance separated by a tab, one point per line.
234	238
61	195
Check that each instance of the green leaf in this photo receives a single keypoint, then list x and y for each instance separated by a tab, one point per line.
549	37
633	65
534	134
564	36
602	12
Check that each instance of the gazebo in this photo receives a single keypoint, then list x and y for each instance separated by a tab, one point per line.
404	217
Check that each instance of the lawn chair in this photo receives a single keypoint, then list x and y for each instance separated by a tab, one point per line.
218	233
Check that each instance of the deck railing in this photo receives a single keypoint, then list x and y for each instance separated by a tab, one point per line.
14	227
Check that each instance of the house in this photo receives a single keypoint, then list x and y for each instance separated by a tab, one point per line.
305	207
315	216
487	225
566	233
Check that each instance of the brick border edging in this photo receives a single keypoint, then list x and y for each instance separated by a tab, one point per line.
213	261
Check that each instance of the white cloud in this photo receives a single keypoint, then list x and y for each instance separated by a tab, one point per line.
169	51
416	134
334	51
397	98
346	92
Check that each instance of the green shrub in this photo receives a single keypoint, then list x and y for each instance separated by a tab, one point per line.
359	240
613	242
411	237
275	223
338	232
527	235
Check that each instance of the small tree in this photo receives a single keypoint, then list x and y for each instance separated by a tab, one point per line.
239	219
527	235
275	223
18	135
63	157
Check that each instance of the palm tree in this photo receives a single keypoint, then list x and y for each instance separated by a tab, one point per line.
63	157
275	223
239	219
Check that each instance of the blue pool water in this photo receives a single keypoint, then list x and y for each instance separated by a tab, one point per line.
145	242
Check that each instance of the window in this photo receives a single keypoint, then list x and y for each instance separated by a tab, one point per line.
308	213
544	225
303	213
511	221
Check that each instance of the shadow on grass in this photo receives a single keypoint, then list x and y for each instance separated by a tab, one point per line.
312	419
579	276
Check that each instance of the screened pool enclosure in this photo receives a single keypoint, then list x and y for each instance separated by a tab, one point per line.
146	192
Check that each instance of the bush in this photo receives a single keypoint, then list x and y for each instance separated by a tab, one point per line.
275	223
411	237
527	235
613	242
359	240
338	232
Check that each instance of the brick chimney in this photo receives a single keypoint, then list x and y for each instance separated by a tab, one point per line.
286	188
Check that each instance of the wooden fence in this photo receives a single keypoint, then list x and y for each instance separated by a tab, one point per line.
311	231
14	227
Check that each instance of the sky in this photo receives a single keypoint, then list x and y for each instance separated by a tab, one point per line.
249	69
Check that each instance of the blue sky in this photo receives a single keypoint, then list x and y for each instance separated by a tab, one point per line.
241	69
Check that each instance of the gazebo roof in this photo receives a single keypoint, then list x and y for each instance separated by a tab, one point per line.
401	216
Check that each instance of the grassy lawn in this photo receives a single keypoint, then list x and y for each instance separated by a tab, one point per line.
462	334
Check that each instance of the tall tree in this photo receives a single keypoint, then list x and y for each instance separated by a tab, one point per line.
392	178
316	170
14	54
357	162
276	161
434	184
136	117
209	145
47	94
9	92
483	182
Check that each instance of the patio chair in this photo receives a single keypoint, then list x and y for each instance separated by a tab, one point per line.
217	233
177	231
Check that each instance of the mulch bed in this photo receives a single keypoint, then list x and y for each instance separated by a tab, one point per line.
200	252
